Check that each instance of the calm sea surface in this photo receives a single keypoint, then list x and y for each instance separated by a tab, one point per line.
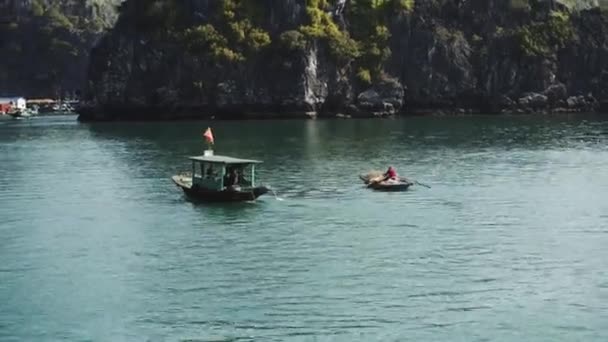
510	244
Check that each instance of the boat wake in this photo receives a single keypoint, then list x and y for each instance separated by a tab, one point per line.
274	193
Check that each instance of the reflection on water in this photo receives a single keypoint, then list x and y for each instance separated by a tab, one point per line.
509	244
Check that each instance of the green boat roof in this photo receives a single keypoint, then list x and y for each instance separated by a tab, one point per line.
223	160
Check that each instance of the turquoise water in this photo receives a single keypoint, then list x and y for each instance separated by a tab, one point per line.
509	244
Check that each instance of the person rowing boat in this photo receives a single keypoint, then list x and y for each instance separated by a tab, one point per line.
390	174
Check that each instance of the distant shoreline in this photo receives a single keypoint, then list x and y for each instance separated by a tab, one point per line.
140	114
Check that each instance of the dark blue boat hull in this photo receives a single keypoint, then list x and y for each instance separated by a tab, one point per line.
227	195
390	187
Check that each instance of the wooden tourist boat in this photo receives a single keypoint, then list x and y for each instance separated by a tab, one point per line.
208	180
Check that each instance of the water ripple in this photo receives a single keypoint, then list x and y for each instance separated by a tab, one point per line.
509	243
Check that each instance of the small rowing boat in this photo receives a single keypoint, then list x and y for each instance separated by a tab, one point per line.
373	181
390	186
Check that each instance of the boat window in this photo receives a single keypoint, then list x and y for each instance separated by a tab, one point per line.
198	170
210	172
240	177
244	176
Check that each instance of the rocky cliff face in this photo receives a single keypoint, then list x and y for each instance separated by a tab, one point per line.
231	58
45	44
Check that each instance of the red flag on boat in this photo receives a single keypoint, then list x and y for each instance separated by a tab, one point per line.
208	136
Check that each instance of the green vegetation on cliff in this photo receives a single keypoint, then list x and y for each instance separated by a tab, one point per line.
352	56
355	38
233	32
370	27
230	34
47	43
356	35
323	27
544	38
367	41
56	16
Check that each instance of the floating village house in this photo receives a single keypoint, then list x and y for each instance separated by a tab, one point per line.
16	103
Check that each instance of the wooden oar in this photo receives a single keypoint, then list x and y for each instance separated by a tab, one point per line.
422	184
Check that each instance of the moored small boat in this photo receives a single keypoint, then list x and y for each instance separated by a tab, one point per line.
19	114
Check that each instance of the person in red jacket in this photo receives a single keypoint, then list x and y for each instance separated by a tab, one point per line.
391	174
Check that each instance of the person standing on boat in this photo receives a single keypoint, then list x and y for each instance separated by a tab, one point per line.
210	173
232	178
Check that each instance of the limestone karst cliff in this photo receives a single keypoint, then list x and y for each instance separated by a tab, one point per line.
45	44
297	58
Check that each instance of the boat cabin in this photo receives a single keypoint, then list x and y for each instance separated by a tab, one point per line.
213	172
16	103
